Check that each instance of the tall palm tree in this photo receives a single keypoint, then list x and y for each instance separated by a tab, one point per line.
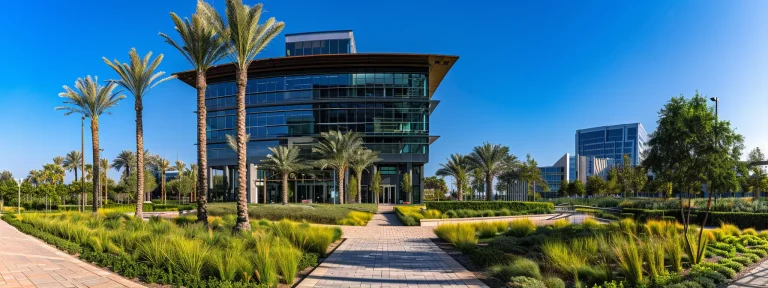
179	166
138	77
58	160
491	159
361	160
104	168
244	38
458	167
336	150
124	161
284	160
203	47
91	100
88	172
162	166
72	162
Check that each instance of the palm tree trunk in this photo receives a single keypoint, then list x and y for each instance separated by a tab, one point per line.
341	185
242	204
488	187
459	192
95	138
359	187
201	188
139	160
285	188
162	185
106	182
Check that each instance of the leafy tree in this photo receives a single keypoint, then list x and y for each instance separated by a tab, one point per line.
563	190
6	175
529	172
162	165
434	188
375	186
129	183
284	160
245	38
491	160
755	155
407	185
458	167
689	147
203	46
595	185
353	192
577	188
138	77
612	185
758	180
8	188
361	160
91	100
336	150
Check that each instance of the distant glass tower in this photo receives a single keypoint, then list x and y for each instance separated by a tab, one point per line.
612	142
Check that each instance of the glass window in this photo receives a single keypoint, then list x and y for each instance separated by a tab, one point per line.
324	47
344	46
289	49
334	46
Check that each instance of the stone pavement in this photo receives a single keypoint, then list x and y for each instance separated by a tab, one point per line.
26	261
386	254
758	277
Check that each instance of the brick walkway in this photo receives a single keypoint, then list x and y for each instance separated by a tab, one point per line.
26	261
758	277
387	254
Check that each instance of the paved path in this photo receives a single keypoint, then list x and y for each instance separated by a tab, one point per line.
386	254
758	277
26	261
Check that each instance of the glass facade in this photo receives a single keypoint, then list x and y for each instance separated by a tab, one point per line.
318	47
612	142
553	176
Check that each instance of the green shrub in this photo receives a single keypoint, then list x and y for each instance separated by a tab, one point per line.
590	274
560	224
444	206
313	213
518	267
451	214
460	235
521	227
485	229
487	213
727	272
188	255
731	264
307	260
487	257
553	282
504	212
525	282
742	260
707	273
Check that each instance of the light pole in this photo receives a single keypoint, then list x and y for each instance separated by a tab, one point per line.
18	202
717	102
82	164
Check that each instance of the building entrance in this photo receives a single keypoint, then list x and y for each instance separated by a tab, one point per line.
388	194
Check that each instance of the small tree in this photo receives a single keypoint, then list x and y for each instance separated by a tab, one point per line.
563	190
577	188
434	188
407	186
375	186
595	185
352	188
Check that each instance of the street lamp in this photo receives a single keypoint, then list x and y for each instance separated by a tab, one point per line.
717	101
18	203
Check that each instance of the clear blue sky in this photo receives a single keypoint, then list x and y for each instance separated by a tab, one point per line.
530	72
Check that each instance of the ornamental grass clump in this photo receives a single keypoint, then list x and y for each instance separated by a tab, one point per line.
287	259
485	229
630	259
264	260
460	235
153	251
730	229
560	224
521	227
673	247
653	253
559	255
188	255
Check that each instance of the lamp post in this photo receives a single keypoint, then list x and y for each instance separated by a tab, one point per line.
717	118
18	202
82	164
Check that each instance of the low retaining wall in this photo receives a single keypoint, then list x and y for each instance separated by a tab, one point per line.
538	219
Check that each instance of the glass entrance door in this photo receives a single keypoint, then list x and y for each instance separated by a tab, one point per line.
388	194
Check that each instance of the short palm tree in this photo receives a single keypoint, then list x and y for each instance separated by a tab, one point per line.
203	47
91	100
104	168
361	160
58	160
336	150
193	173
162	166
124	161
284	160
458	167
88	173
139	77
491	159
244	39
72	161
179	166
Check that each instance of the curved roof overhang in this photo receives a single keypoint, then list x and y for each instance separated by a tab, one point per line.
438	65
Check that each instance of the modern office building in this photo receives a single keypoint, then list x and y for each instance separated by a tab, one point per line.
612	142
322	84
555	174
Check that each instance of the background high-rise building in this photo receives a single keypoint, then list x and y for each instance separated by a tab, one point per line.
612	142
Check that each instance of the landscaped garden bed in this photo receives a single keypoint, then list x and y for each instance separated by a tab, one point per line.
621	254
340	214
181	253
411	215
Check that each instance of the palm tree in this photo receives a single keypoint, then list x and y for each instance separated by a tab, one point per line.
458	167
58	160
203	47
244	38
180	166
284	160
104	168
336	150
361	160
193	173
72	162
124	161
162	166
91	99
491	159
88	172
138	77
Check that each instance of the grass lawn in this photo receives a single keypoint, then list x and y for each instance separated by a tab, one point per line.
621	254
341	214
181	253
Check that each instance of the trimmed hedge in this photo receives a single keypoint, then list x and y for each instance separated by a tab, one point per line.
514	206
740	219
